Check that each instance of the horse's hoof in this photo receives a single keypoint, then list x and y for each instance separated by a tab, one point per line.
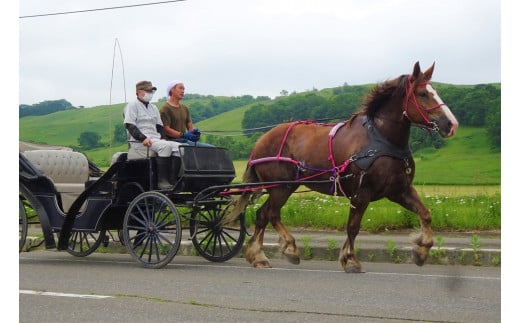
262	264
295	260
352	266
420	254
417	259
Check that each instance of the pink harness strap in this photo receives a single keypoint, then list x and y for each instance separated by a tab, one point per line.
271	159
278	156
335	170
332	133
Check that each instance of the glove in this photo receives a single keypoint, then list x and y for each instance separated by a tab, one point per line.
196	132
189	135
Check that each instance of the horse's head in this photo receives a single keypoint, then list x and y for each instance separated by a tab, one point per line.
424	107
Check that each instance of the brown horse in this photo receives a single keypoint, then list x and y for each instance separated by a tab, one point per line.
366	158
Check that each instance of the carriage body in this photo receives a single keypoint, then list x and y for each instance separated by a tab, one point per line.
118	200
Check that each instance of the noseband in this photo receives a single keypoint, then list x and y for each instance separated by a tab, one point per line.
410	97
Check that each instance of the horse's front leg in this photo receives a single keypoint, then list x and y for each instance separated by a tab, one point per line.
423	241
272	210
347	255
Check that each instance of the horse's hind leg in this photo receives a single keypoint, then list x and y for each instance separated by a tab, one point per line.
277	198
424	241
270	212
287	243
347	255
254	251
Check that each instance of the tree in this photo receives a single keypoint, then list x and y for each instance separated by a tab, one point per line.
89	140
43	108
493	130
120	133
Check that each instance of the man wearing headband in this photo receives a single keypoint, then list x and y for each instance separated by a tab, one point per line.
176	117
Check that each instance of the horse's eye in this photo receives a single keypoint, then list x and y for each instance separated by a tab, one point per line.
423	94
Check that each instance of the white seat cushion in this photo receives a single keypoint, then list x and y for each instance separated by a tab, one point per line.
68	170
140	153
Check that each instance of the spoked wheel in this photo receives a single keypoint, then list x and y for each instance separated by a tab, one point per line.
212	240
121	237
27	216
152	229
23	227
82	244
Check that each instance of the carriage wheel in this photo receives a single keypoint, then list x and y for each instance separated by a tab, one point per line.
82	244
23	227
27	216
212	240
121	237
152	229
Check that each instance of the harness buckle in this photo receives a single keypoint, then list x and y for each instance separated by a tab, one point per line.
434	126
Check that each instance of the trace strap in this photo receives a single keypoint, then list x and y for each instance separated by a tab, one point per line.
335	170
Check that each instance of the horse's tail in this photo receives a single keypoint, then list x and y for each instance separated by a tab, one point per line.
248	197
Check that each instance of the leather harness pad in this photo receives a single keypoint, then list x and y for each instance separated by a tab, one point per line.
378	146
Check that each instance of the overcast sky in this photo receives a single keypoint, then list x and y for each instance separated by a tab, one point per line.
255	47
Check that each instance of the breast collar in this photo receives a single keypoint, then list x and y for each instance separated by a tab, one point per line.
378	146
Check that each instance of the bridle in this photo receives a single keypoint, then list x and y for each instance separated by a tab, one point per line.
410	97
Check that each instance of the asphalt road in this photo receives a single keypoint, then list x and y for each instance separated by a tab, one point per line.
57	287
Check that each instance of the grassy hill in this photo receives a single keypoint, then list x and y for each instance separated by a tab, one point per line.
465	159
230	120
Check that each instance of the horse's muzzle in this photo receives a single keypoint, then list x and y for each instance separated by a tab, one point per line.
445	126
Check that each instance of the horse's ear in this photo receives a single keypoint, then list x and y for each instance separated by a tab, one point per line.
428	73
416	72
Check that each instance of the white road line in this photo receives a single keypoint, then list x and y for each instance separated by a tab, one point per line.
342	272
35	292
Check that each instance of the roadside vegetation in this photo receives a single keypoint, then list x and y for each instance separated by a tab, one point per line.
453	208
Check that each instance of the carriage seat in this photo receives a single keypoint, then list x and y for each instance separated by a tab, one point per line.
131	154
68	170
139	153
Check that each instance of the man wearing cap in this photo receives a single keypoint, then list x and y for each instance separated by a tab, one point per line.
144	125
176	118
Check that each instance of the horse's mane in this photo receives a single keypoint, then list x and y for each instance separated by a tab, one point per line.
379	94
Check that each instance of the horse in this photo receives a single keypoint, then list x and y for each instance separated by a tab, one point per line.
366	158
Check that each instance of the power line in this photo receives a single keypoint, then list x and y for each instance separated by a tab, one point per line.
99	9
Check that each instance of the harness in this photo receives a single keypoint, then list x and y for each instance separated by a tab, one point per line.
378	146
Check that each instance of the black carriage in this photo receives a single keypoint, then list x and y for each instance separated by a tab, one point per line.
73	200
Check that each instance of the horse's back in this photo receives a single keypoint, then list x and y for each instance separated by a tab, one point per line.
309	142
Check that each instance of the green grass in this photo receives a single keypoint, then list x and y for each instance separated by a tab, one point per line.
64	128
465	159
453	208
230	120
